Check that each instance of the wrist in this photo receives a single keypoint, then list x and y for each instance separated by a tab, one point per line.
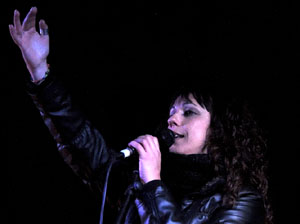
39	73
149	179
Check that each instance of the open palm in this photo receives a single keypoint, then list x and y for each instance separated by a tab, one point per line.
34	46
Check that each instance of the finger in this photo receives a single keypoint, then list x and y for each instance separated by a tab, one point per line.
145	142
43	27
13	34
150	141
139	147
29	21
156	143
17	22
153	143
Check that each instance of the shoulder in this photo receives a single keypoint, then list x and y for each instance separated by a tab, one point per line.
249	197
248	208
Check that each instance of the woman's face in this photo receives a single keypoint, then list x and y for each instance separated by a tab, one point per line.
190	124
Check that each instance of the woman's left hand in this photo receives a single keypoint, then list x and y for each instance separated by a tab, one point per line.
148	149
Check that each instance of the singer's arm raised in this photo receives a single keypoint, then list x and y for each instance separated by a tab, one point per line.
73	133
82	146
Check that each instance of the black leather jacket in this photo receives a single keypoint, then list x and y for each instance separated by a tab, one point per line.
84	150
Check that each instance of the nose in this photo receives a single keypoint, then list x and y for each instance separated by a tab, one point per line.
173	120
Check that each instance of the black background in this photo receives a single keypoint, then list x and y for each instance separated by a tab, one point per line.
120	59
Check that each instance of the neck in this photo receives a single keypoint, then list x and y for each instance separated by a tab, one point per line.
185	174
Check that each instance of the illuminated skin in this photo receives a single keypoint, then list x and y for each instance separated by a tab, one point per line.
33	45
190	123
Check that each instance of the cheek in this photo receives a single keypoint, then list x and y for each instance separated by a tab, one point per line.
200	131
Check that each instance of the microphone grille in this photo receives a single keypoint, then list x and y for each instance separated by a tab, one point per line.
167	137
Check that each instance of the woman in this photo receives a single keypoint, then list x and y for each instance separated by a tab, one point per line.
214	172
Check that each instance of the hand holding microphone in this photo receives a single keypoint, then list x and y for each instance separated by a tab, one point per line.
165	136
147	146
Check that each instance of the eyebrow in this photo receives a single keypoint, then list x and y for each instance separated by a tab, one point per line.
187	101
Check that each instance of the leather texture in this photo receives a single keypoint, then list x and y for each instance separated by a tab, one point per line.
84	150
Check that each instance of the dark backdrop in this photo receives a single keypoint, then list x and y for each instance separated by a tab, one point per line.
120	59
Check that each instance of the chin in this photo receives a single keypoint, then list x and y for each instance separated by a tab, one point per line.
175	149
172	149
185	151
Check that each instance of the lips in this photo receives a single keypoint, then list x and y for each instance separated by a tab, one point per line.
177	135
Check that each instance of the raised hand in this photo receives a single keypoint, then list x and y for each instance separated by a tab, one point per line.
33	45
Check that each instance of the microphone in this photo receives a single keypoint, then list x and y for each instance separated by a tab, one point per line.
165	136
127	152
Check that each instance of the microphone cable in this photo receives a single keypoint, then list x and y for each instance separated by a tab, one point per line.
105	190
167	138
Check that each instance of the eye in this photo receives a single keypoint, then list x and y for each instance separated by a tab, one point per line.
188	113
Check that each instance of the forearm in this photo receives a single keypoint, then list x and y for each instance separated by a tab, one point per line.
69	127
157	205
53	101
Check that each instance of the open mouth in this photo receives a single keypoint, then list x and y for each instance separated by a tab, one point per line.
176	135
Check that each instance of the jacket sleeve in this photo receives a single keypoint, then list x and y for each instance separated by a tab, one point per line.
156	205
81	146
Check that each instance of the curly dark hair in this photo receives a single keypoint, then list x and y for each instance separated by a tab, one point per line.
235	143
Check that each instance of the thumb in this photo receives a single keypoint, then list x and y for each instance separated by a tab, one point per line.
43	28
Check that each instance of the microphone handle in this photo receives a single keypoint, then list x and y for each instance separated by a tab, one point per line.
165	137
127	152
